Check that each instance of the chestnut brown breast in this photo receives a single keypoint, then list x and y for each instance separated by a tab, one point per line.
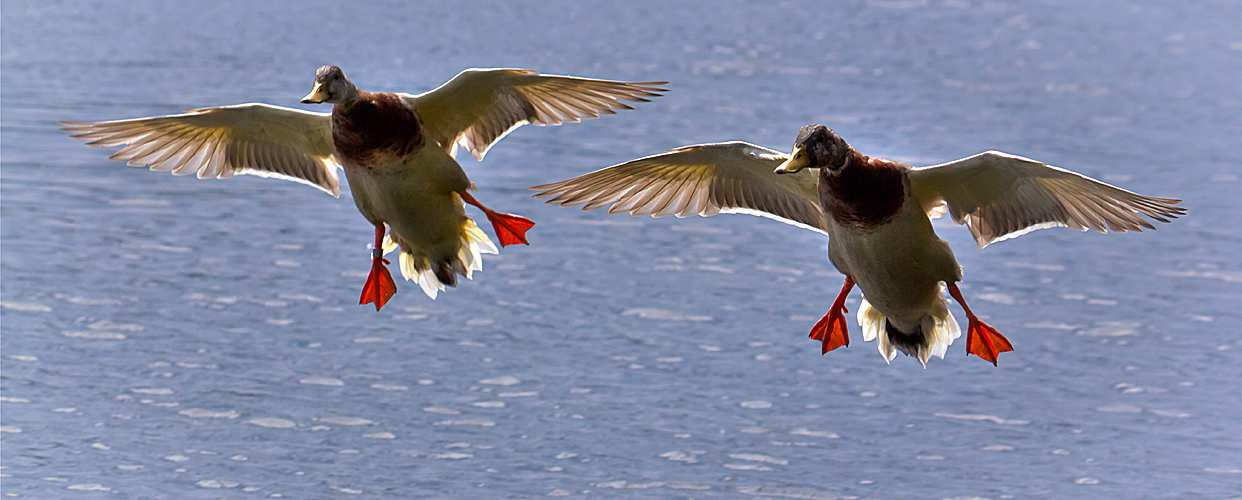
866	193
374	125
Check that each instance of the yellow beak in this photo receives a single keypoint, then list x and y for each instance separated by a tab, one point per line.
316	96
797	161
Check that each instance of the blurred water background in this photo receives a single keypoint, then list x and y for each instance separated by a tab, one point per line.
167	337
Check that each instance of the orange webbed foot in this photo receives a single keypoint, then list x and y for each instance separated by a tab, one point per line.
510	229
379	286
984	341
981	339
830	330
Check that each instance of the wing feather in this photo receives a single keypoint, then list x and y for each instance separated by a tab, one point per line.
480	106
999	196
703	179
256	139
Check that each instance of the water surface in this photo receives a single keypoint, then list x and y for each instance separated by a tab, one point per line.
167	337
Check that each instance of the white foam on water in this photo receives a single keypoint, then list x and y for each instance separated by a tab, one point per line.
1122	408
503	380
345	421
988	418
204	413
25	306
327	381
1171	413
94	335
998	298
138	202
88	487
676	485
452	455
380	435
1037	267
481	422
217	483
308	298
679	456
751	467
820	434
87	301
663	315
272	423
755	457
781	270
389	387
1048	325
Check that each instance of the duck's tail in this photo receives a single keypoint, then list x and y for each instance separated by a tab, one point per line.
432	277
932	337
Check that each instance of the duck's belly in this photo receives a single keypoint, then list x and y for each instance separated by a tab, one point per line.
898	265
417	196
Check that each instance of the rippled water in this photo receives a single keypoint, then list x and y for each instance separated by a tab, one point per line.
166	337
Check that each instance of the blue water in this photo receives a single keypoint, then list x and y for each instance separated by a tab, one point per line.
167	337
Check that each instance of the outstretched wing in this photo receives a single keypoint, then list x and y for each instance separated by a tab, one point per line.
256	139
1001	196
704	179
479	106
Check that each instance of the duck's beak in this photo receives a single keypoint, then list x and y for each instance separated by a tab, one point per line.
797	161
316	96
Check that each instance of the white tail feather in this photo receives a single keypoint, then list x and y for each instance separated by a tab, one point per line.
939	328
474	243
873	325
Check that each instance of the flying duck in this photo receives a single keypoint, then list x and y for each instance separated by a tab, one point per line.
877	215
397	150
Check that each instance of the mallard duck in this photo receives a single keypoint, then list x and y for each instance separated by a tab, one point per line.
877	215
397	150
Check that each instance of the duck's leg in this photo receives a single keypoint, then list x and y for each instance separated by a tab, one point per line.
379	286
510	229
981	339
830	330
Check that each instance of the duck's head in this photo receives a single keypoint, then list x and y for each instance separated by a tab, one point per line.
331	87
817	146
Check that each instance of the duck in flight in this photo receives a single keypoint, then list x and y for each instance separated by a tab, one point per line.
397	150
877	215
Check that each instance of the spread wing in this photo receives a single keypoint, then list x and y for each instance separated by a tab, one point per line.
1001	196
705	179
255	139
479	106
